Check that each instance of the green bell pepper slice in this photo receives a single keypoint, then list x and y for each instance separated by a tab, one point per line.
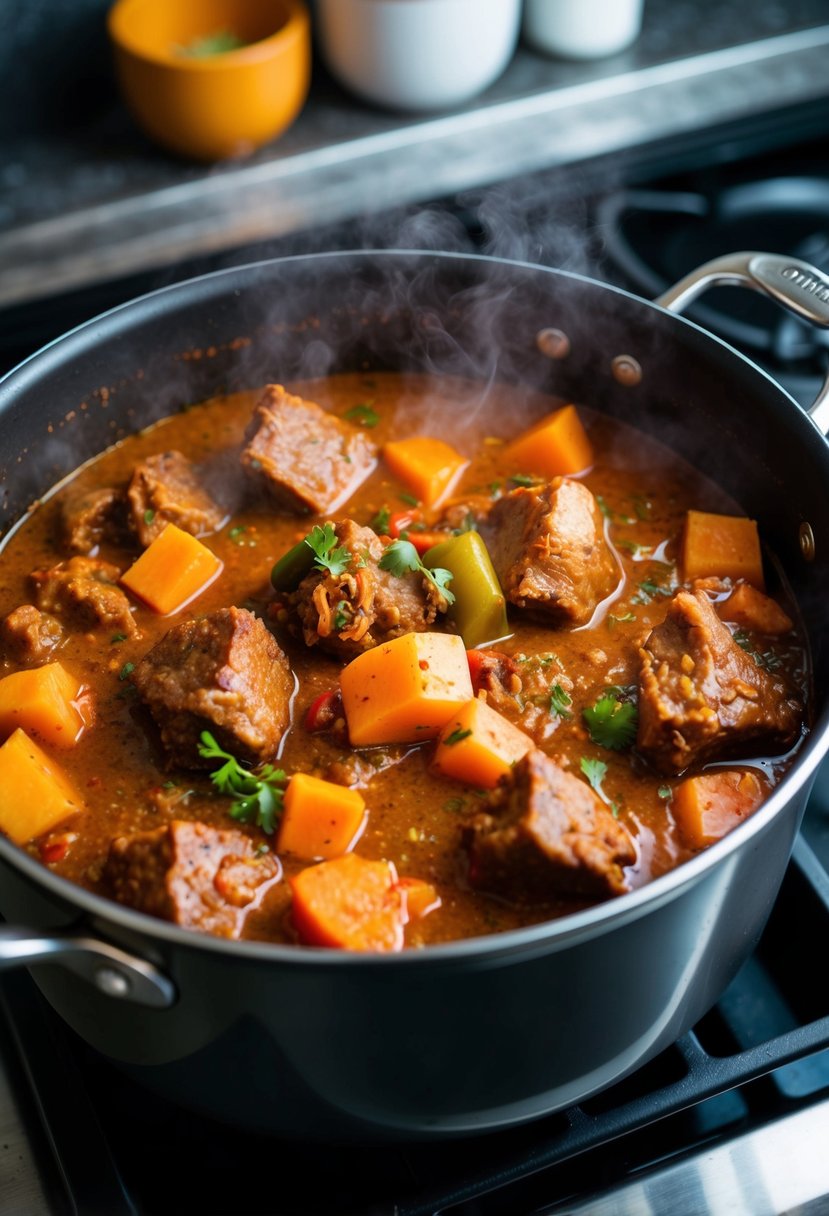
479	610
292	567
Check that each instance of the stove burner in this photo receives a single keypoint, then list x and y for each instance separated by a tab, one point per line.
655	237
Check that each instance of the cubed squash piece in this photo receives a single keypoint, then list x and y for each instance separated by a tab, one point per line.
405	690
420	897
726	546
35	795
751	609
43	701
478	745
172	571
708	807
557	446
349	902
428	467
320	819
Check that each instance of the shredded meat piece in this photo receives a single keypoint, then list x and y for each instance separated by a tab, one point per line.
29	635
82	592
165	489
93	516
521	688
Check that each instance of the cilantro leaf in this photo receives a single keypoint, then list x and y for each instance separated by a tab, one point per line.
401	556
595	772
379	523
524	479
257	795
322	541
612	722
456	736
559	700
363	414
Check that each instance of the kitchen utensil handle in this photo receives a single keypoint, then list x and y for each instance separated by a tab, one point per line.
113	971
796	285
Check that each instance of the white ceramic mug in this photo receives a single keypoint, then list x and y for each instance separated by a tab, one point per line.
582	29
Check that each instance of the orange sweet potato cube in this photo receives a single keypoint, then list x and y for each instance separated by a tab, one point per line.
35	795
478	745
43	701
557	446
429	467
405	690
726	546
320	818
172	571
709	806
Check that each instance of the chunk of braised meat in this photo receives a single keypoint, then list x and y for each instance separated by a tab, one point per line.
225	673
191	874
28	635
531	690
301	457
82	592
548	549
165	489
751	609
464	513
701	697
546	834
351	612
90	517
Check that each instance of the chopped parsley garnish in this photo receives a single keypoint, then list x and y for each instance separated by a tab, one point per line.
523	479
766	659
409	499
454	804
117	637
559	700
456	736
468	524
604	508
632	547
363	414
612	722
595	772
664	791
401	556
649	590
257	796
329	556
149	516
495	489
642	507
342	615
379	523
126	671
621	620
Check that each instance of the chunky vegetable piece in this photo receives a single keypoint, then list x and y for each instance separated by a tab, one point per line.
478	610
556	446
429	467
320	819
479	746
727	546
44	701
751	609
172	571
350	903
406	690
420	896
709	806
35	794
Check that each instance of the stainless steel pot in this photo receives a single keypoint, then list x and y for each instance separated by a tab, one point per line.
479	1034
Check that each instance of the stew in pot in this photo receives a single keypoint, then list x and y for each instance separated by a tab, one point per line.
384	661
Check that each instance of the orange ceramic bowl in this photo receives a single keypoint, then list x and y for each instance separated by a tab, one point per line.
216	105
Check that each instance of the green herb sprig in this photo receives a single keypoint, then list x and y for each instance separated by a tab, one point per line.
401	556
257	796
330	556
612	722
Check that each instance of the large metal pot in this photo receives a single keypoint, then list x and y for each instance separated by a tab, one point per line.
479	1034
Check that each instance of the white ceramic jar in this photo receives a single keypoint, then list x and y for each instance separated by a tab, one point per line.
417	54
582	29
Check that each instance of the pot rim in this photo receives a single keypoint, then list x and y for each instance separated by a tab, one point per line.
546	935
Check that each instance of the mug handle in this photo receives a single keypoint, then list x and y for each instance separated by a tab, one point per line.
799	287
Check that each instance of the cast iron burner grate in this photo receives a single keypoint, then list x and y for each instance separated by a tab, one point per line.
762	1053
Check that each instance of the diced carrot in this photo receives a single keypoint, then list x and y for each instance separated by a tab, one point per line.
405	690
349	902
35	795
172	571
320	819
750	608
726	546
420	896
478	745
44	701
709	806
555	446
428	467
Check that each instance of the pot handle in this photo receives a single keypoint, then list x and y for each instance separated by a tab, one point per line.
794	284
111	970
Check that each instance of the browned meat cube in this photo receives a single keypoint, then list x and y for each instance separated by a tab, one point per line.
545	835
364	606
531	690
223	673
548	549
192	875
82	590
93	516
302	457
701	697
164	489
29	635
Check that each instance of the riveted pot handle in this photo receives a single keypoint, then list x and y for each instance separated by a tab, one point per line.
113	971
796	285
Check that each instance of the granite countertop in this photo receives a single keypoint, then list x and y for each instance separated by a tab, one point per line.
102	203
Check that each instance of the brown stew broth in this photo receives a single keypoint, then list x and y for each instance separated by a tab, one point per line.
414	816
